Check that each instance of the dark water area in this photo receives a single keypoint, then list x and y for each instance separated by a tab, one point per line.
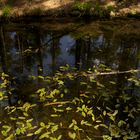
25	48
40	48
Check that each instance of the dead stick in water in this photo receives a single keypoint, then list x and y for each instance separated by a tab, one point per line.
57	103
115	72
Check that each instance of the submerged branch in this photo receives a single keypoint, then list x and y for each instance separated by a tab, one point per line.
115	72
57	103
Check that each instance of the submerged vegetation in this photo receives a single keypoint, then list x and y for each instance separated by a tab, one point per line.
92	110
70	81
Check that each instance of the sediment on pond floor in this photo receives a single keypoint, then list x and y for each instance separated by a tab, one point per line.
69	8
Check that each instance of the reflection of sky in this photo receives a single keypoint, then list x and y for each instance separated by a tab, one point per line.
13	51
13	34
66	42
99	40
62	56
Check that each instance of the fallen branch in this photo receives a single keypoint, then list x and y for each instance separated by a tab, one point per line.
115	72
57	103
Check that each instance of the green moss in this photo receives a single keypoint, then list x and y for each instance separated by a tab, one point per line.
81	9
6	11
82	6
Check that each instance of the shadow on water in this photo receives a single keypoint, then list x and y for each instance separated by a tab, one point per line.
39	50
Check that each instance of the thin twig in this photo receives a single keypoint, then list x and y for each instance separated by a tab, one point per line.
57	103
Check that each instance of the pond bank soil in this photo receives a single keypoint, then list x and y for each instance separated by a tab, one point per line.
64	8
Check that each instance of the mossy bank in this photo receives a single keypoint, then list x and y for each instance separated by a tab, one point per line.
70	8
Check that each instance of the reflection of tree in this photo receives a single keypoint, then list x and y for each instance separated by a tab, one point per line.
25	40
20	48
54	49
4	61
119	52
3	51
39	52
82	52
88	50
78	52
127	58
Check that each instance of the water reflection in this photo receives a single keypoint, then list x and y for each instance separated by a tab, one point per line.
36	51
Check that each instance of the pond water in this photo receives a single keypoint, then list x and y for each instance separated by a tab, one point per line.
39	49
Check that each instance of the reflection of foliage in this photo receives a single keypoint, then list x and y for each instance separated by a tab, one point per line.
91	109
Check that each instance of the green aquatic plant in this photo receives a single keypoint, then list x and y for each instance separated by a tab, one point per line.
89	110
